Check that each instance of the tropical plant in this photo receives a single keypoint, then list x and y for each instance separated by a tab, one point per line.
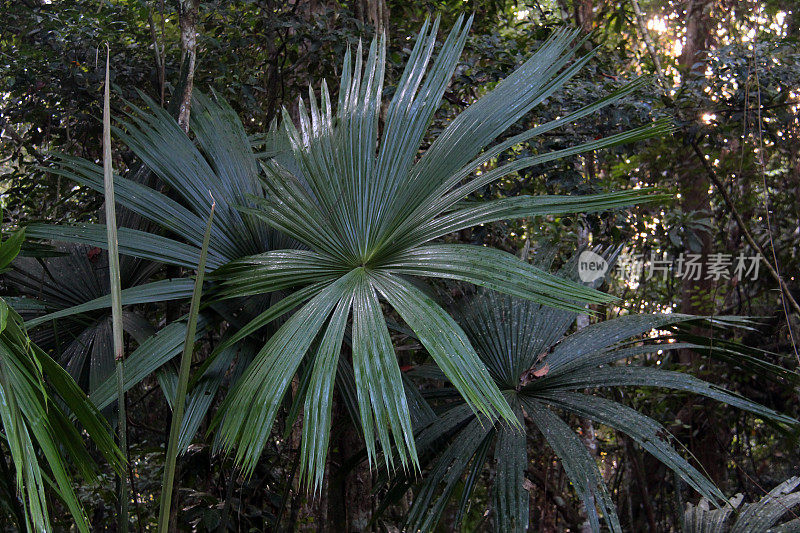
364	220
39	407
76	284
541	371
366	208
220	164
736	517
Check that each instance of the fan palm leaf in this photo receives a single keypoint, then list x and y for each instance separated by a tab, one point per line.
542	372
219	161
365	206
66	303
736	517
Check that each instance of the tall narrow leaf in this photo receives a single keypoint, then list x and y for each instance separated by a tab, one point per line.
116	292
179	404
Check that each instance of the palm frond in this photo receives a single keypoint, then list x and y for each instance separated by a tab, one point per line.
73	317
361	199
544	370
35	423
738	517
220	159
579	465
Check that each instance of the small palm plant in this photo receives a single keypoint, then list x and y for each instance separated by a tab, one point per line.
541	372
738	517
366	207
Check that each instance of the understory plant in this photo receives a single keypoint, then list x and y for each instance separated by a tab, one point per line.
368	209
40	409
546	375
358	215
323	243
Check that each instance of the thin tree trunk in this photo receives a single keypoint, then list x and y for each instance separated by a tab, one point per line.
584	14
357	485
373	12
697	292
187	18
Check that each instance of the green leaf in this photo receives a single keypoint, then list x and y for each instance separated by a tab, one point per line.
274	312
156	291
275	270
179	404
637	376
448	345
3	315
765	513
250	408
479	265
447	471
604	334
146	359
509	495
647	432
379	385
115	282
485	212
317	407
149	203
199	400
9	249
510	334
31	412
578	464
132	242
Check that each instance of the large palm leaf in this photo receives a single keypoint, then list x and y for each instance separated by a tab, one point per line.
543	372
65	302
220	164
366	206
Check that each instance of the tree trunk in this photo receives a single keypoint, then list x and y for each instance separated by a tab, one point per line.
584	14
698	39
187	19
349	501
372	12
697	292
357	485
693	185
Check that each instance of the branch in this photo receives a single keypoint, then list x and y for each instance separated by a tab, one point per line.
650	47
712	175
5	125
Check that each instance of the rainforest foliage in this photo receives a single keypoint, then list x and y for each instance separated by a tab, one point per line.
399	266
